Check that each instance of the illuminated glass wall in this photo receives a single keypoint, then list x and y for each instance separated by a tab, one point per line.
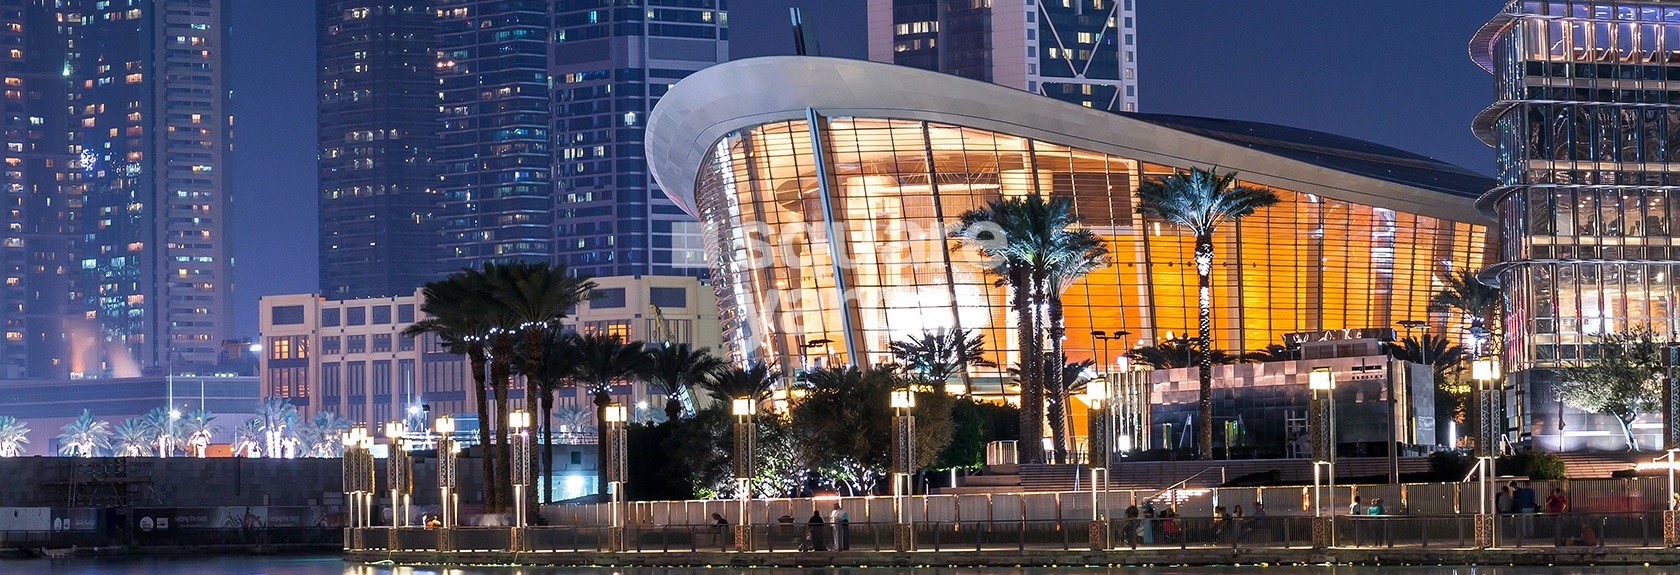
789	232
1587	127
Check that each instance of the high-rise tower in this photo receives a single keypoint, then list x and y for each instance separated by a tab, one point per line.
609	68
1079	51
152	126
36	297
494	144
378	124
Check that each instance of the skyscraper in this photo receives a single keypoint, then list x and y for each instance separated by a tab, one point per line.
36	299
1078	51
152	127
609	69
494	144
378	125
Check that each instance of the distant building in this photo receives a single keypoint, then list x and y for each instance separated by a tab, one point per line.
349	357
1079	51
377	127
609	68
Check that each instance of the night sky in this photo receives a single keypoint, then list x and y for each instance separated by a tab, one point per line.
1395	73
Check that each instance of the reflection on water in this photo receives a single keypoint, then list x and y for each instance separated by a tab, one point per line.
333	566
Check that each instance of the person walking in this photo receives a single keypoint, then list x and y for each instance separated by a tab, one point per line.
720	526
836	522
1524	499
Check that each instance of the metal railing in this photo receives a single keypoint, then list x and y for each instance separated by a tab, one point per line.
1613	529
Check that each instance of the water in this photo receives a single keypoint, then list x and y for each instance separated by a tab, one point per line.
331	565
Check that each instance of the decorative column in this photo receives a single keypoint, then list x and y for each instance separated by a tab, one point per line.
617	471
520	422
1671	440
448	451
1099	435
1130	410
1490	395
1321	423
399	477
358	482
745	451
903	465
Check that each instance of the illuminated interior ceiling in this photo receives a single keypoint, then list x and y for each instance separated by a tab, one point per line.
1362	239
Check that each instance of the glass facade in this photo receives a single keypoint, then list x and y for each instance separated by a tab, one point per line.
1586	128
850	245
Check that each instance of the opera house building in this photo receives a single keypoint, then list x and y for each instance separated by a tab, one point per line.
828	188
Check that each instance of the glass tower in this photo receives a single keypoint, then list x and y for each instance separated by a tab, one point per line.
1078	51
1587	131
494	141
610	67
151	128
378	121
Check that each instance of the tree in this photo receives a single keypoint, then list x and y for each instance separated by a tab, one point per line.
674	367
461	327
1175	353
843	425
1446	362
1623	381
278	420
14	435
530	299
1273	352
1037	247
199	427
935	356
559	362
1201	201
132	438
323	436
84	437
1475	300
756	382
602	362
247	438
162	426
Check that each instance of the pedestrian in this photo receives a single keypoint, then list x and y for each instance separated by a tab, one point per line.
1258	519
1557	502
1221	519
1130	531
1148	523
1524	499
814	531
1239	526
1357	508
834	529
1502	503
720	526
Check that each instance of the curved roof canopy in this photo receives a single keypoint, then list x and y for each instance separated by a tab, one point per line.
713	102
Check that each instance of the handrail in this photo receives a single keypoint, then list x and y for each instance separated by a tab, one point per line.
1176	486
1473	468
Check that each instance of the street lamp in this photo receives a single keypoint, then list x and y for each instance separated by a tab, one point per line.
1489	428
1109	361
903	464
1099	434
617	471
399	473
1322	415
520	422
448	451
744	409
358	480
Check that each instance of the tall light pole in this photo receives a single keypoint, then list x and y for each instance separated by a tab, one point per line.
1489	396
903	464
358	481
745	450
1322	415
1099	434
399	473
617	471
448	451
520	422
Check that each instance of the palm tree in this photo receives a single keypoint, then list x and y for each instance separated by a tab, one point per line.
162	424
1033	242
84	437
1271	353
756	382
322	436
200	426
13	436
676	366
1477	301
1076	253
278	419
603	361
1201	201
461	328
1175	353
133	438
529	300
935	356
247	438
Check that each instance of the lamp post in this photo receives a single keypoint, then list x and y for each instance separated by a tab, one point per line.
746	440
903	464
1322	417
520	422
399	473
448	451
1108	361
1099	435
358	481
1489	394
616	473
